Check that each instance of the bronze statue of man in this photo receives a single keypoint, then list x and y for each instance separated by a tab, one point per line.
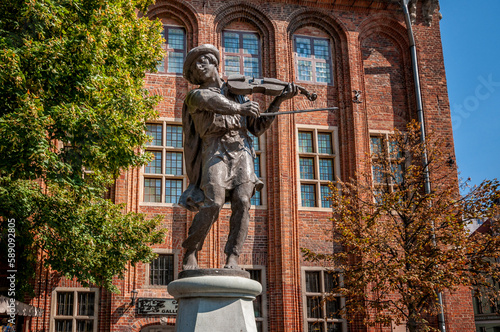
218	153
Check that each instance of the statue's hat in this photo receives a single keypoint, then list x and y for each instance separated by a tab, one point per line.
194	54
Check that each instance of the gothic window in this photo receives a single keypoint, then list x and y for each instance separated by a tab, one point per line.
241	53
174	44
387	168
313	60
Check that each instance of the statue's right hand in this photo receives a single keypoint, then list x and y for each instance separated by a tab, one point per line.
250	108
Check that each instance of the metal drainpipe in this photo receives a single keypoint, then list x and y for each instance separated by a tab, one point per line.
420	113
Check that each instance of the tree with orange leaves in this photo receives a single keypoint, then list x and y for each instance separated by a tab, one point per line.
404	245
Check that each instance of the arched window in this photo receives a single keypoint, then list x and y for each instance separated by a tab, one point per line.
174	44
313	56
241	51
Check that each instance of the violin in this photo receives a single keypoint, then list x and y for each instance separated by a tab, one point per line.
242	85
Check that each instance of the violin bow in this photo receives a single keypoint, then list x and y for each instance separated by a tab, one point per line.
299	111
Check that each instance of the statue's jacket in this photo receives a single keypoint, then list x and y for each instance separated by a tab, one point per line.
217	148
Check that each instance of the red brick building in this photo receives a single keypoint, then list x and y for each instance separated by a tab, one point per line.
355	55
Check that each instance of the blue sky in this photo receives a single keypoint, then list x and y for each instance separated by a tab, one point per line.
471	43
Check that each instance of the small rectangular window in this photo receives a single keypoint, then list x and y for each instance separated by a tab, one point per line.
326	169
313	282
156	132
308	193
232	65
64	325
305	142
256	198
76	310
65	303
325	143
173	163
154	166
85	325
325	193
257	166
86	304
152	190
161	270
173	190
174	136
306	168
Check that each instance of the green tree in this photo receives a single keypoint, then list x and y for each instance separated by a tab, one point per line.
403	246
72	114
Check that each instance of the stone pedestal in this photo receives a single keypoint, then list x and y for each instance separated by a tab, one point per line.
214	302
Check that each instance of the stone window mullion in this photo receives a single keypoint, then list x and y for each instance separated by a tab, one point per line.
230	53
324	168
171	182
80	300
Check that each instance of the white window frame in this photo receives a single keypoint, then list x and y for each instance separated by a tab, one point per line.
315	129
240	53
264	318
74	317
164	148
385	137
313	60
322	270
166	48
173	252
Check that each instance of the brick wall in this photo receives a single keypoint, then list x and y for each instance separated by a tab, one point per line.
370	54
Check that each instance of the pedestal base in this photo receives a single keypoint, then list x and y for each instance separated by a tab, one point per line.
215	303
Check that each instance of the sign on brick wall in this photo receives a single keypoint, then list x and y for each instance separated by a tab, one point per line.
156	306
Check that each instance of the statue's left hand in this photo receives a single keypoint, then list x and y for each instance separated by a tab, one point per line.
290	91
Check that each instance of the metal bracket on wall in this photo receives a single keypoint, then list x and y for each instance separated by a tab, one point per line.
357	97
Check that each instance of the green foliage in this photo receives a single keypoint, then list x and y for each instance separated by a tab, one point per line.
404	245
72	98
